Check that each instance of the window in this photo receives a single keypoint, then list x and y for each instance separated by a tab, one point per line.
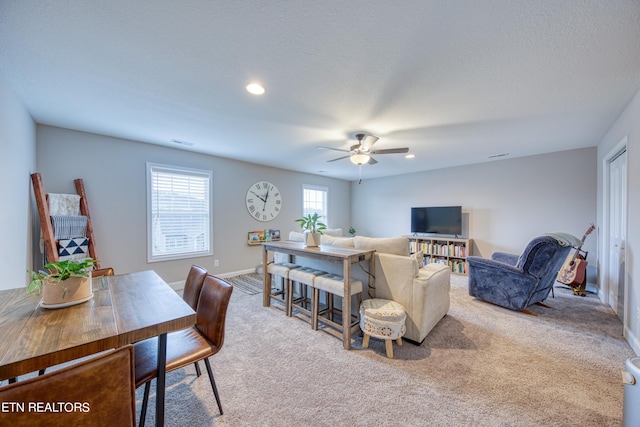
314	199
178	212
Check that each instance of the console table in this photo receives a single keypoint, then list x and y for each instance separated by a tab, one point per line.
344	256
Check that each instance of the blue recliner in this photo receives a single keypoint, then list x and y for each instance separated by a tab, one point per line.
516	282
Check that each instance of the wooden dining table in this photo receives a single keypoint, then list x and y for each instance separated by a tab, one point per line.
124	309
333	254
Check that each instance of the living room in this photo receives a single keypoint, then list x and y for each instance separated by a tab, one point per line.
505	201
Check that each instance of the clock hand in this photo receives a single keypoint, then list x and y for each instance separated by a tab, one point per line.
259	197
266	196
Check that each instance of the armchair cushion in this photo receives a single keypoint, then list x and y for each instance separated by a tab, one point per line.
424	292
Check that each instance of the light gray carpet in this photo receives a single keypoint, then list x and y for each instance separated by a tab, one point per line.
482	365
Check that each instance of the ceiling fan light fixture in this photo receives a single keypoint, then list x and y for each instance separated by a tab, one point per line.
360	159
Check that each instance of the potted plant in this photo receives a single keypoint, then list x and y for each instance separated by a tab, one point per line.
313	228
66	283
352	231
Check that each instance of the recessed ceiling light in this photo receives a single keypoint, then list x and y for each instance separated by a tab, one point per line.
255	88
409	156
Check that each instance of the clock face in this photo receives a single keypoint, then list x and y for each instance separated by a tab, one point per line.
264	201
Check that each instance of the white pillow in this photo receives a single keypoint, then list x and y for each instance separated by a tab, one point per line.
296	236
340	242
419	257
335	232
386	245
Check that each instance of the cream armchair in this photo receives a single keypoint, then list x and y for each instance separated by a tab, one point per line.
422	290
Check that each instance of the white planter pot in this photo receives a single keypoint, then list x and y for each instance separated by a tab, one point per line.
74	290
312	239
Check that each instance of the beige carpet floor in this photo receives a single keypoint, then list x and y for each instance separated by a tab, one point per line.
482	365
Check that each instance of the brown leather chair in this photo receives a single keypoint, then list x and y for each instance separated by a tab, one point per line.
193	285
95	392
191	292
189	345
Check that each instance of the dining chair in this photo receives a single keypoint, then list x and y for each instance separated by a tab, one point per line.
193	285
95	392
188	345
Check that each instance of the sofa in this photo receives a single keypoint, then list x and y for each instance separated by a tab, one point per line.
399	276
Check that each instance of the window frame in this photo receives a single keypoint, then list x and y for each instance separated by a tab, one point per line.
206	176
325	214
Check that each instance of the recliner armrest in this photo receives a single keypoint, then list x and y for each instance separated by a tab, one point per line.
511	259
476	261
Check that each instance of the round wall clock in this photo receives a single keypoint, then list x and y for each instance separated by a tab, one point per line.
264	201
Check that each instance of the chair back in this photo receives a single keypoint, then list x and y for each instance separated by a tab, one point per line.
543	258
96	392
193	285
212	309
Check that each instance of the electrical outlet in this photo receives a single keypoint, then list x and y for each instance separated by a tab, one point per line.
216	263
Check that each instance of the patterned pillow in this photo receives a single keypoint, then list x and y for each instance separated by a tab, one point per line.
419	257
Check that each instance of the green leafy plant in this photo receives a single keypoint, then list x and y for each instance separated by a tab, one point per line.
59	272
352	231
312	223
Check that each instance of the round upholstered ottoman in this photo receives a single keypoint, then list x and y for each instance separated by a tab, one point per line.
383	319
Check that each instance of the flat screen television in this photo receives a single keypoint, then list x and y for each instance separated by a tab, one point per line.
437	220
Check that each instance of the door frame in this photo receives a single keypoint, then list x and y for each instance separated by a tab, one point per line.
604	250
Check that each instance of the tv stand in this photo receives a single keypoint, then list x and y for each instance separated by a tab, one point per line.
451	251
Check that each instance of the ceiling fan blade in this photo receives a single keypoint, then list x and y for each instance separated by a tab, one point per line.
391	151
331	148
372	161
339	158
367	142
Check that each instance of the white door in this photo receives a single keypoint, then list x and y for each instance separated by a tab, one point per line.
617	231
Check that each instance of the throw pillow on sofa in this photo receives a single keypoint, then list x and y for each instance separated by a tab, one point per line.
340	242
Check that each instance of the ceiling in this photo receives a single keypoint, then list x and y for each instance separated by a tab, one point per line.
456	81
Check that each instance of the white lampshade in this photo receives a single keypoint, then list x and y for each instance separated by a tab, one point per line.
360	159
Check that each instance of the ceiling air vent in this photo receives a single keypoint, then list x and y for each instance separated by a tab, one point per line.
183	143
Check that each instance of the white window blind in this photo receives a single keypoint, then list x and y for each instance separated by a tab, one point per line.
314	199
179	206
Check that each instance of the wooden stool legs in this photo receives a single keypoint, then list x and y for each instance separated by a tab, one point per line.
387	343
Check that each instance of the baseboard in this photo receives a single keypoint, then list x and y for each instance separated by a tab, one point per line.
632	340
178	286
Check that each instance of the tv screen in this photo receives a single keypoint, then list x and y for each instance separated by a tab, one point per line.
437	220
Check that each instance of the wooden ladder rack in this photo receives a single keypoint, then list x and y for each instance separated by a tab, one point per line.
50	245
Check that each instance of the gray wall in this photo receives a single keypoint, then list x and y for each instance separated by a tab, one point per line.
505	203
114	171
17	161
627	125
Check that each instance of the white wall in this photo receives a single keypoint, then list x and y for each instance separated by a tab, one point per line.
627	125
17	160
114	170
505	203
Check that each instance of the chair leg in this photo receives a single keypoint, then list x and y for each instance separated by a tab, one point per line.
365	341
145	400
213	384
289	296
389	348
198	373
315	303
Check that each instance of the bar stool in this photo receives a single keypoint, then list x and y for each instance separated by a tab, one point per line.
333	285
281	269
306	276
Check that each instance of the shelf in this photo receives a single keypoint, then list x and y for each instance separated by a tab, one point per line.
451	251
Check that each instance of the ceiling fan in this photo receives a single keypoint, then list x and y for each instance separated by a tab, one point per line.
361	152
